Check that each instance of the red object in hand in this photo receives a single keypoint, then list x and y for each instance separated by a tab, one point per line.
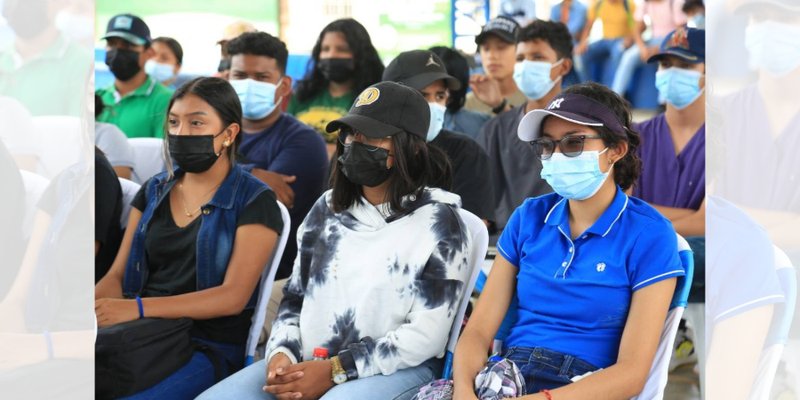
320	353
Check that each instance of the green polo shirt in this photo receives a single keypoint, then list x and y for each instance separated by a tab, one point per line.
51	83
140	113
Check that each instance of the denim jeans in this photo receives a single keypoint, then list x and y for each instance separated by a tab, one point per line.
628	63
194	377
401	385
546	369
605	53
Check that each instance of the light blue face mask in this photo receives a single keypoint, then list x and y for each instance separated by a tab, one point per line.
773	47
158	71
697	21
678	87
575	178
533	78
257	98
437	120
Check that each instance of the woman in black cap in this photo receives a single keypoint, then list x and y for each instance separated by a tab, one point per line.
382	263
591	269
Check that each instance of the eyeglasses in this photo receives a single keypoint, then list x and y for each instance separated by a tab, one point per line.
347	137
571	146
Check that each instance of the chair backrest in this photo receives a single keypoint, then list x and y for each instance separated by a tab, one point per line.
35	185
657	378
265	288
129	190
779	328
60	143
479	236
147	158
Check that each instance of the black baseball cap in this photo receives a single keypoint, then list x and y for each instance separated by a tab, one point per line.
573	108
418	69
130	28
385	109
503	27
688	44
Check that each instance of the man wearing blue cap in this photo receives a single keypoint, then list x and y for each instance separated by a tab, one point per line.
673	143
136	103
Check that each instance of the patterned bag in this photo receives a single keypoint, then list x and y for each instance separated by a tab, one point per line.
500	379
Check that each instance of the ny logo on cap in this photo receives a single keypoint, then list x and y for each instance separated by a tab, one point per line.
555	104
368	96
680	39
123	22
431	61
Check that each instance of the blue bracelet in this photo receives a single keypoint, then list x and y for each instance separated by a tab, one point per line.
49	340
141	307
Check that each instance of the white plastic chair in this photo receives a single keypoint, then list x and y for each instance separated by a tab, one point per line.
779	328
148	158
477	252
267	279
60	143
659	371
129	190
35	185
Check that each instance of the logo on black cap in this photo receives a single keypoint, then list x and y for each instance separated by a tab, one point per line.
368	96
555	104
431	61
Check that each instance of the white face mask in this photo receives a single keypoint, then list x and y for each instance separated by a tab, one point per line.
575	178
257	98
437	120
533	78
773	47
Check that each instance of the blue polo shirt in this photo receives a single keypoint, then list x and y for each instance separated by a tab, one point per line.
574	295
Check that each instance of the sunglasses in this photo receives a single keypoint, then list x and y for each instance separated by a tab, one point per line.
570	146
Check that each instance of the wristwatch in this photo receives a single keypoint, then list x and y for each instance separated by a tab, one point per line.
338	374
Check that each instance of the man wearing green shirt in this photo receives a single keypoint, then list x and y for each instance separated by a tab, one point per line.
136	103
34	65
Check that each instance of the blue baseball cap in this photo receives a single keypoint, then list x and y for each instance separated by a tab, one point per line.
688	44
130	28
572	107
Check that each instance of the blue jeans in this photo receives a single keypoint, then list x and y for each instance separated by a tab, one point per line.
401	385
546	369
605	54
628	63
194	377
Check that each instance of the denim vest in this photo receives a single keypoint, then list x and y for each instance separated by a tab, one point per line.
216	235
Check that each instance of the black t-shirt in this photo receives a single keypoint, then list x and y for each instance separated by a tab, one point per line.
171	253
108	208
471	175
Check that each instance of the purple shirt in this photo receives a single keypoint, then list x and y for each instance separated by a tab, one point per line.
667	179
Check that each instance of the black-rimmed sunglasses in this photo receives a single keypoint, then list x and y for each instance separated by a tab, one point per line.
571	146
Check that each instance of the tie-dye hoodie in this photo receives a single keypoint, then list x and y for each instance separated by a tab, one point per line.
380	293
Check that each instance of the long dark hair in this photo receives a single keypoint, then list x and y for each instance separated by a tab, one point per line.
368	65
416	166
458	68
219	94
627	169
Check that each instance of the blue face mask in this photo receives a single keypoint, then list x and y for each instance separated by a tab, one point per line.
697	21
773	47
533	78
575	178
159	72
257	98
437	120
678	87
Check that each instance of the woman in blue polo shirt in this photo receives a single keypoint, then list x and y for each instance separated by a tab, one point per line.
593	269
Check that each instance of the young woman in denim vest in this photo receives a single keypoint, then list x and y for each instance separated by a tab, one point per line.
198	237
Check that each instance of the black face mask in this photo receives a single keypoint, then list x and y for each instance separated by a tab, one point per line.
123	63
365	165
193	153
336	69
27	18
